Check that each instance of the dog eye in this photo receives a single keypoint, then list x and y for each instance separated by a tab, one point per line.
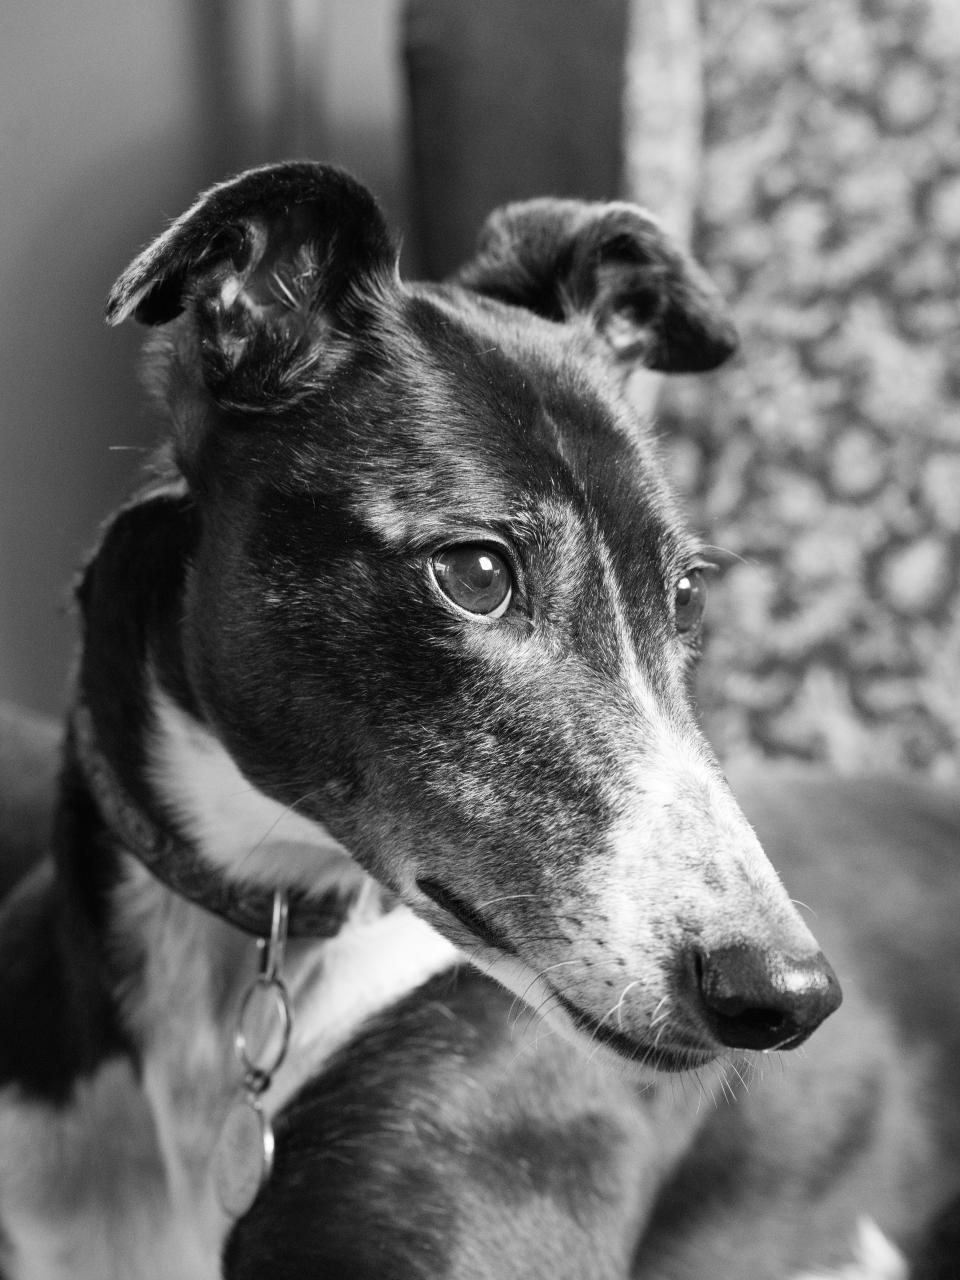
476	579
689	600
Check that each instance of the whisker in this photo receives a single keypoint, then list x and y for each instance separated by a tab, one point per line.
618	1007
727	554
283	291
806	906
725	1085
522	1005
661	1014
736	1071
290	808
661	1027
521	999
536	1018
552	994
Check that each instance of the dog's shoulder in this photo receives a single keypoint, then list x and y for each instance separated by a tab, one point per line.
432	1131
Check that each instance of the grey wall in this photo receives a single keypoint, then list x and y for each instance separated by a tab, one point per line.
99	127
112	115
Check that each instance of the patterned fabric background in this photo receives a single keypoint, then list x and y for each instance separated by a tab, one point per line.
826	462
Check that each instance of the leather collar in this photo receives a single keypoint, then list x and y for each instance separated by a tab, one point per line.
179	866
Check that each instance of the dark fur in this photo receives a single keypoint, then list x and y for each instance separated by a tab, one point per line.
332	432
268	384
426	1136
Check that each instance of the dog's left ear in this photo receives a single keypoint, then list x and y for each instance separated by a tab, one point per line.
614	264
265	266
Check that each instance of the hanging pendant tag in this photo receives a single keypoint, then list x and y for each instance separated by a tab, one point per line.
243	1156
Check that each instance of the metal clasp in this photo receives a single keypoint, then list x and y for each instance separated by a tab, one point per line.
265	1019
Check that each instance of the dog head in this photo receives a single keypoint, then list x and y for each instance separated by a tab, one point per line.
438	597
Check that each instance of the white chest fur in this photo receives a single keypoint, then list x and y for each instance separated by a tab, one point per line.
338	986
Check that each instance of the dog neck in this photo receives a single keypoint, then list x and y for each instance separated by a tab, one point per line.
164	786
227	848
244	829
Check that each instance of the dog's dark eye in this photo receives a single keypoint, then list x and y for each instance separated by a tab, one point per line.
476	579
689	599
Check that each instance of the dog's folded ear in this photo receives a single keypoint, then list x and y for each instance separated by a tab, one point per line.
614	264
261	262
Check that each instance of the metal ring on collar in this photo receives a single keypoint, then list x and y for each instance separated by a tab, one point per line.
265	1019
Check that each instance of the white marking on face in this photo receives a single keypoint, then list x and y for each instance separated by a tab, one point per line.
232	822
684	855
681	833
391	522
632	674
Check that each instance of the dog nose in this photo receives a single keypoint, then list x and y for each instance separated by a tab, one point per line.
761	999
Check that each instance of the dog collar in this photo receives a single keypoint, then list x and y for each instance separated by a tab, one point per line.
176	863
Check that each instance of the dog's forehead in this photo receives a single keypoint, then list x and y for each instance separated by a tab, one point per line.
488	412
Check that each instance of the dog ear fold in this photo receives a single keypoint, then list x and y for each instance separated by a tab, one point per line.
260	262
614	264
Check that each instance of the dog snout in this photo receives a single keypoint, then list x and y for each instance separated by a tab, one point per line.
755	998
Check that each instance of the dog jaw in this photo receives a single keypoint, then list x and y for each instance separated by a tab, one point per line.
612	957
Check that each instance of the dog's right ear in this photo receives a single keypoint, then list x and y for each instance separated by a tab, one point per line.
263	263
614	265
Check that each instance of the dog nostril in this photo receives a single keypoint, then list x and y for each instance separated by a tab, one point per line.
759	999
742	1027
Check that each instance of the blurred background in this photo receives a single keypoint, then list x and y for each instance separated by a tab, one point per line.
809	151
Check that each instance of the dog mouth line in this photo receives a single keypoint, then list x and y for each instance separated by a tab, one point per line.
661	1058
465	914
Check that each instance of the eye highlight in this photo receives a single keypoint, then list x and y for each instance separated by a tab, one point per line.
689	601
476	579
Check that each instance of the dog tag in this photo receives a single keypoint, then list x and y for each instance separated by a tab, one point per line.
243	1156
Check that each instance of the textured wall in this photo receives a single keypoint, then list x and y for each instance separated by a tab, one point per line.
828	458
